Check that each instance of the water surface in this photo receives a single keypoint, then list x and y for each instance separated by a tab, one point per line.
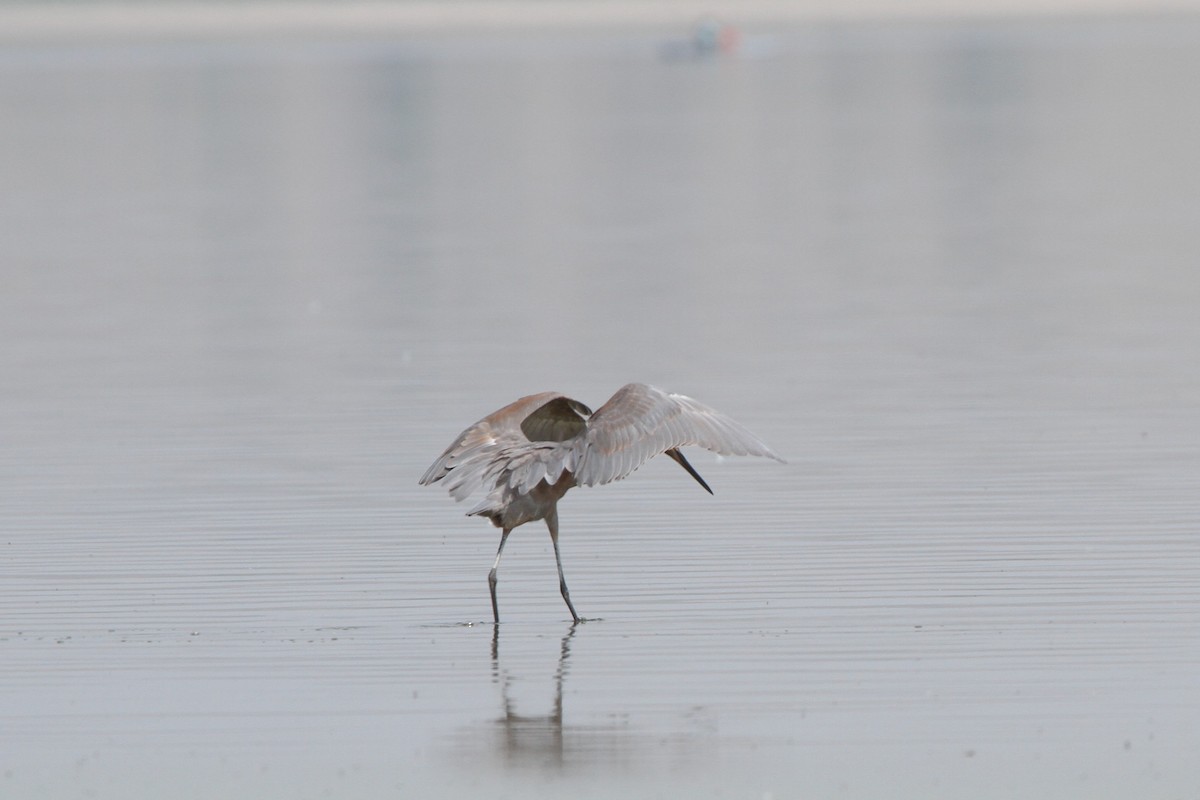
252	289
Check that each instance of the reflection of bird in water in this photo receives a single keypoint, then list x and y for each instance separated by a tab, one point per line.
525	734
529	453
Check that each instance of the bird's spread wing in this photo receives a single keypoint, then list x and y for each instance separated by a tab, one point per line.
640	421
512	449
542	436
556	421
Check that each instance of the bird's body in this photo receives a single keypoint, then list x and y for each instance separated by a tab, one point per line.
530	453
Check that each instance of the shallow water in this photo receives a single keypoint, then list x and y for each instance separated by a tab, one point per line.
251	290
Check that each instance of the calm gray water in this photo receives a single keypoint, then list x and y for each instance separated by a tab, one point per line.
252	289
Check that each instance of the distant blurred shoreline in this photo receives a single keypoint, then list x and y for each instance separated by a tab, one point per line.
21	21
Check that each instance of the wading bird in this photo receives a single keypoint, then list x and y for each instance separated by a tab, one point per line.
529	453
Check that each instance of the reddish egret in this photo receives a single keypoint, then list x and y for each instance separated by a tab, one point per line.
529	453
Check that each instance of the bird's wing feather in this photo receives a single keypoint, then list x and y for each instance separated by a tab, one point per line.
640	421
497	451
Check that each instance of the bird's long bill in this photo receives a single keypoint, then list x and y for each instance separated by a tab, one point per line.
683	462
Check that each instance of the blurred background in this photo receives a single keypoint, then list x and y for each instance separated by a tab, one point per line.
261	262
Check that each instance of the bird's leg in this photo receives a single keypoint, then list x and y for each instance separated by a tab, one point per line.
552	524
492	575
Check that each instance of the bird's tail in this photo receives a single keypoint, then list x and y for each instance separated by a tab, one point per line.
491	507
